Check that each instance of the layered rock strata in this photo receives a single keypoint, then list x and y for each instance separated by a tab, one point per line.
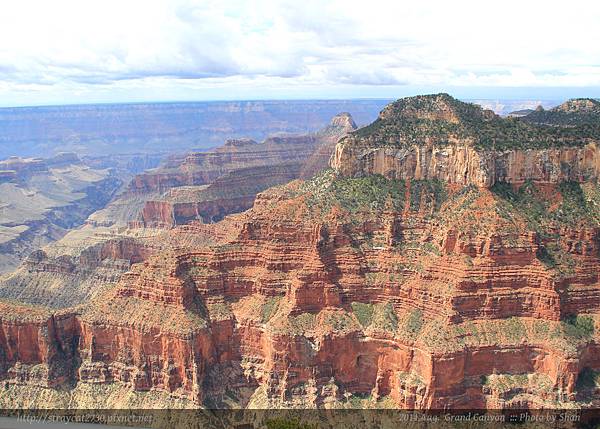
41	199
341	292
206	186
441	138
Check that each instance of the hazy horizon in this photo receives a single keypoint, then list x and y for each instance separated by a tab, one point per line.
555	99
70	52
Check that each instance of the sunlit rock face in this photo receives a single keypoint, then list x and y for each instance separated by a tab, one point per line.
438	137
207	186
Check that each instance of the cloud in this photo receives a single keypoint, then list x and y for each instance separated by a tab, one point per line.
77	45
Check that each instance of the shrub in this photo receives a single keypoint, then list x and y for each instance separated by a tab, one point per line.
363	312
415	321
578	326
269	308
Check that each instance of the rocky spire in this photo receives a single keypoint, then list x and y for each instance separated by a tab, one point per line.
343	120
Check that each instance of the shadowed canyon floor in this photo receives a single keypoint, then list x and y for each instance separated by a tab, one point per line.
448	259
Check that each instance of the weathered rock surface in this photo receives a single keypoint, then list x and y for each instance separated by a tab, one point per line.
63	277
340	125
206	186
464	165
231	193
203	168
442	138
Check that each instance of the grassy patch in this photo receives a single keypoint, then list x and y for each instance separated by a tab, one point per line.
384	318
578	203
578	326
504	383
339	321
428	193
437	335
368	195
362	193
301	323
379	316
414	323
363	312
269	308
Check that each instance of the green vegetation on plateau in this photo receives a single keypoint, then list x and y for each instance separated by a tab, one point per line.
573	204
441	119
576	112
371	194
576	203
378	316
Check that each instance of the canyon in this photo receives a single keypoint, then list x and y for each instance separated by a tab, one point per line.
198	188
151	128
208	185
447	259
41	199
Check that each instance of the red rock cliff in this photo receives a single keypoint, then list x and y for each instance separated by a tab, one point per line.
347	290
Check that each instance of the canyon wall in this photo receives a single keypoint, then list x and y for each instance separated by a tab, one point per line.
439	137
41	199
462	164
206	186
267	310
203	168
348	289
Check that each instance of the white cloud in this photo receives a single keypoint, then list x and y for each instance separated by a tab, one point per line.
90	46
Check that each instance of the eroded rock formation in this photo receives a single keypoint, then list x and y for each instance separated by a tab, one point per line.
440	138
206	186
344	290
41	199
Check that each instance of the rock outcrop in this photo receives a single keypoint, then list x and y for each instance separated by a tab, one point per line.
340	125
464	165
231	193
234	173
438	137
206	186
203	168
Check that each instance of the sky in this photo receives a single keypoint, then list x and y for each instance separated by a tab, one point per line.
90	51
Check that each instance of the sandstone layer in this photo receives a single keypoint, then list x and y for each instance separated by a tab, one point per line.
441	138
462	164
203	168
206	186
430	312
90	259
